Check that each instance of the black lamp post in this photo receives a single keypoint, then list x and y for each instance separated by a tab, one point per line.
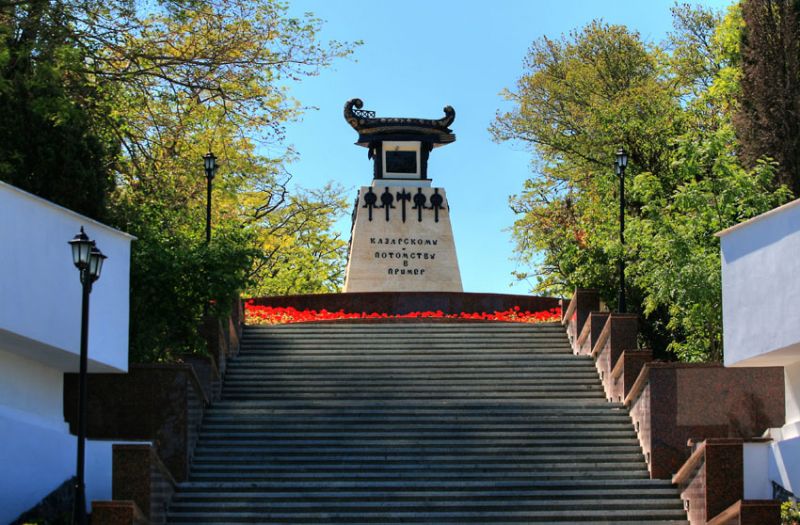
621	163
89	261
210	163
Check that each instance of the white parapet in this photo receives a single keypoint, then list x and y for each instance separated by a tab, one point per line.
40	293
760	289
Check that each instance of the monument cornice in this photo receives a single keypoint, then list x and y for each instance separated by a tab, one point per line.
372	129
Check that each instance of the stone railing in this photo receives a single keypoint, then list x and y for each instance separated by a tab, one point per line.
141	477
712	486
577	311
671	403
118	512
162	403
589	334
618	335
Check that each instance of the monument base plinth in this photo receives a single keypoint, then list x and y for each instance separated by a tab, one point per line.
402	241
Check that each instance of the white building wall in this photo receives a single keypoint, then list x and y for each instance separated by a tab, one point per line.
761	327
760	289
40	308
38	453
756	471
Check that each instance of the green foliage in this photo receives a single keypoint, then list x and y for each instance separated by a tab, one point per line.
766	119
134	93
47	143
174	274
790	513
601	88
300	253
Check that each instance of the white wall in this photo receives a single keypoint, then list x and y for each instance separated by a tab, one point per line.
756	471
40	309
760	289
40	292
784	467
761	327
38	453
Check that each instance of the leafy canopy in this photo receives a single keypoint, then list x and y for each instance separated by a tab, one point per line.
588	93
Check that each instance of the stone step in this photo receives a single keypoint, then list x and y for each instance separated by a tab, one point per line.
443	344
434	516
424	475
407	465
264	452
348	375
564	494
517	504
417	422
337	454
555	487
423	469
412	387
333	424
429	406
407	396
496	435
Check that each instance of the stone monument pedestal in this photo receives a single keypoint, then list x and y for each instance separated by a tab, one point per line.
402	241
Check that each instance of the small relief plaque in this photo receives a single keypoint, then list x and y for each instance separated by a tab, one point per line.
401	161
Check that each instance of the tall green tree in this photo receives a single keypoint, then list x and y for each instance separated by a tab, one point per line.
670	106
48	145
768	117
136	92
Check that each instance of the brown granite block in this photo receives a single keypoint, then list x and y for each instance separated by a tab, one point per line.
117	513
234	334
625	372
711	480
205	368
618	334
162	403
573	318
407	302
750	512
216	341
590	332
673	402
139	476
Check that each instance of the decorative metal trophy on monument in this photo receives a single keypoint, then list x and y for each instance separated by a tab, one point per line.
402	240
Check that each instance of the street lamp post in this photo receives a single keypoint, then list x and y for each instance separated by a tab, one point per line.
89	261
621	163
210	163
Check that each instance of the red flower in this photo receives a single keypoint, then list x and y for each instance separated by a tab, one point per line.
257	314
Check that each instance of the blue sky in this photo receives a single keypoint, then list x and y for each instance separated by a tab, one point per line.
419	56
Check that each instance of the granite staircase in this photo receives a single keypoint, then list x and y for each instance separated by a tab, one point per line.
417	422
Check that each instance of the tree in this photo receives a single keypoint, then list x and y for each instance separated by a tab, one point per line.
161	83
600	88
47	143
768	119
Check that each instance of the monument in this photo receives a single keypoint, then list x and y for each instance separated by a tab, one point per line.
401	240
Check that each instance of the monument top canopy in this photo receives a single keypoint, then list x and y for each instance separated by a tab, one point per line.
372	129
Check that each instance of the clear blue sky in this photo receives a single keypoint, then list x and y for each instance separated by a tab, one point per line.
421	55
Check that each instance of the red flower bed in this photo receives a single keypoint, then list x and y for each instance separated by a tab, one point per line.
256	314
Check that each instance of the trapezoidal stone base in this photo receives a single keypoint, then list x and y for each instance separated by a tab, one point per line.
402	241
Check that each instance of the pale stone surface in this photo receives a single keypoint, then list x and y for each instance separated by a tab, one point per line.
396	256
